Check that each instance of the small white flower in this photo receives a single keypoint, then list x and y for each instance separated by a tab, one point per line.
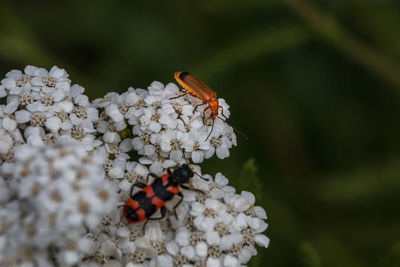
202	249
66	192
56	78
101	149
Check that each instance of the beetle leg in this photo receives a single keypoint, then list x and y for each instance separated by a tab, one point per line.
177	204
212	128
222	113
183	121
204	114
144	226
163	211
137	184
150	174
170	170
179	96
198	105
192	188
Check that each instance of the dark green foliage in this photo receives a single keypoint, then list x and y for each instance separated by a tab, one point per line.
308	255
249	178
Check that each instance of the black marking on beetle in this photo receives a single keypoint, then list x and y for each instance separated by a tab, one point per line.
183	75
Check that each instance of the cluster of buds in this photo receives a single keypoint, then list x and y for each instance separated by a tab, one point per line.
68	164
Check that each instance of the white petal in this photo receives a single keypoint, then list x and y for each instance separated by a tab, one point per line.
172	248
176	155
111	137
221	179
14	74
149	150
197	209
9	124
260	212
165	261
68	257
212	238
209	153
5	145
188	251
141	170
254	223
212	262
102	126
222	151
33	131
66	106
37	81
137	143
22	116
157	85
36	107
131	98
171	89
126	145
187	110
230	261
30	70
197	157
3	91
244	256
11	107
239	222
56	72
182	238
154	127
248	196
81	100
53	124
262	240
58	95
201	249
116	172
35	140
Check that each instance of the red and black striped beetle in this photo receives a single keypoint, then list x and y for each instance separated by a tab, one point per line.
146	202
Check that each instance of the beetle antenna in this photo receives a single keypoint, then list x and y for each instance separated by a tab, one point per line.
212	128
187	162
184	156
178	96
205	179
236	130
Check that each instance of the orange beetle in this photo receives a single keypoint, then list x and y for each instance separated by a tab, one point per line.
200	90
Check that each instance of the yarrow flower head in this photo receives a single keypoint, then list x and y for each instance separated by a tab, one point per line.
49	110
162	125
68	166
216	229
57	193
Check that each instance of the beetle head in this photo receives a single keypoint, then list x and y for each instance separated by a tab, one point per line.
182	174
214	106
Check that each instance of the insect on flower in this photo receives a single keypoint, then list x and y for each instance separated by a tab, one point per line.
143	204
200	90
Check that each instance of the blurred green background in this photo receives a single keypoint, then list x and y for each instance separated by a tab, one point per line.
315	85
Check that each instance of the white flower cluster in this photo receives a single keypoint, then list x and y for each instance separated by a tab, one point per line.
163	125
215	227
47	108
59	208
50	197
